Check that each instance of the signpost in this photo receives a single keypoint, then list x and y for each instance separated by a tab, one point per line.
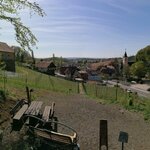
123	138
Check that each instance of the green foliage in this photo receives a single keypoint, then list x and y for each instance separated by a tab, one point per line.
21	55
143	54
2	65
147	111
126	71
138	69
2	95
10	10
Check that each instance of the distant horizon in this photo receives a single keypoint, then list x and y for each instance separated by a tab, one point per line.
97	28
82	57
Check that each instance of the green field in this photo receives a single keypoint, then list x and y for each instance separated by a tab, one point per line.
27	77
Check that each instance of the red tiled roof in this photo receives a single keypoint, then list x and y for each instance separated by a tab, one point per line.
43	64
95	66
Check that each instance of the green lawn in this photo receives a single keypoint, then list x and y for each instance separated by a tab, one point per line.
33	79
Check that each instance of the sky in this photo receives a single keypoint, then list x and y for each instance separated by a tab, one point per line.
86	28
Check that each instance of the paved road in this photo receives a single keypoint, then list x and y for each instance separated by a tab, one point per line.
140	91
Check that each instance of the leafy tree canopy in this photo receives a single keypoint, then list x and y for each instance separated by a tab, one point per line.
10	10
20	55
143	54
138	69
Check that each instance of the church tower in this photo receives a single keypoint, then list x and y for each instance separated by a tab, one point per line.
125	59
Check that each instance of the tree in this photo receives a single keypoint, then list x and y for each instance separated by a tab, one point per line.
143	54
138	69
21	55
10	10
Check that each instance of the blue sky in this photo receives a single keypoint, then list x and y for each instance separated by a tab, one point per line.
87	28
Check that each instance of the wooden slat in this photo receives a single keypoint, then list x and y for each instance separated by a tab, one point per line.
34	108
52	110
18	104
46	113
30	107
37	108
57	137
20	113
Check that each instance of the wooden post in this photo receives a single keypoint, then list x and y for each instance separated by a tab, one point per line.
95	90
103	134
28	95
78	86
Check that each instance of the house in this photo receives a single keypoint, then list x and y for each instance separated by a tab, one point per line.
69	71
7	55
109	70
46	67
83	75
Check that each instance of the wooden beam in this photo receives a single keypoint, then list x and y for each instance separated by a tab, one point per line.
20	113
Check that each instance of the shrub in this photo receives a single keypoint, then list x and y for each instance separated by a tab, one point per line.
2	95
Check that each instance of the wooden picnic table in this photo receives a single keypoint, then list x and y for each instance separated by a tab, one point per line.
34	108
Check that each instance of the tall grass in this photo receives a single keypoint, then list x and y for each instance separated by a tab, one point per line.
33	79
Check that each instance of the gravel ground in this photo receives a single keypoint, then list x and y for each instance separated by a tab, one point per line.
83	114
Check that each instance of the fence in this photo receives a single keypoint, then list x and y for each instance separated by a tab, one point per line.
36	80
112	94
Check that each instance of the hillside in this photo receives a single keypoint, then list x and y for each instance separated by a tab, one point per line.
27	77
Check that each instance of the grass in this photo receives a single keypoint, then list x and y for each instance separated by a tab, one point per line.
33	79
128	100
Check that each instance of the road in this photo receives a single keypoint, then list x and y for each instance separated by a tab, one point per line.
140	91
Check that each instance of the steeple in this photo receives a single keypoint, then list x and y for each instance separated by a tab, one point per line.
125	54
125	59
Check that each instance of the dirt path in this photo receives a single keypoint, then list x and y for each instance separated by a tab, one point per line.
83	114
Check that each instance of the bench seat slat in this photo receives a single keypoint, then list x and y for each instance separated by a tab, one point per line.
46	113
34	108
20	113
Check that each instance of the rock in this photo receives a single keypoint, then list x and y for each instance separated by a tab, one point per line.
121	111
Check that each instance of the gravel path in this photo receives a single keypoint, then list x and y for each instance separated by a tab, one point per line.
83	114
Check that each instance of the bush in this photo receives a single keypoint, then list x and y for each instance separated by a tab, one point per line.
2	95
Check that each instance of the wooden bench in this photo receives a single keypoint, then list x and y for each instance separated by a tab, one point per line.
34	108
18	119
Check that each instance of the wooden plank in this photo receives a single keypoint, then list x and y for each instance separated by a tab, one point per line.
34	108
46	113
37	108
30	108
52	110
18	104
57	137
20	113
